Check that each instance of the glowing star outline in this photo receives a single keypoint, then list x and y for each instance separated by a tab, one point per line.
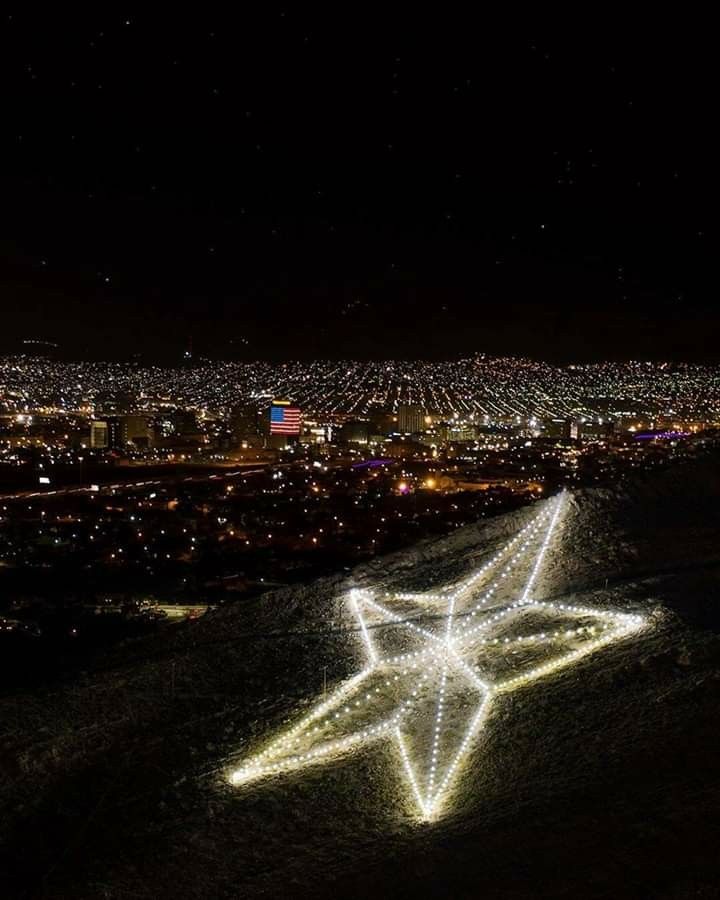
441	656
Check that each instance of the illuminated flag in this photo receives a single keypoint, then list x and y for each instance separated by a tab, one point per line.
284	419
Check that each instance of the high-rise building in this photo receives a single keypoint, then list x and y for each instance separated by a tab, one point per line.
411	418
184	422
382	421
355	431
559	428
284	418
124	430
115	437
99	435
245	422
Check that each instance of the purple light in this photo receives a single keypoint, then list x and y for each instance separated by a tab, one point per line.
661	435
372	463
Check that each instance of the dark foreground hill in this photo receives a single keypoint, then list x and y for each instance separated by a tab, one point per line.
600	781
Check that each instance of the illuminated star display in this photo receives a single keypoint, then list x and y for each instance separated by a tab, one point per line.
438	661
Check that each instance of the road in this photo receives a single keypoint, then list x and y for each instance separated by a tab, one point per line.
132	485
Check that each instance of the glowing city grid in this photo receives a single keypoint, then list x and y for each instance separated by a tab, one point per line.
437	661
482	388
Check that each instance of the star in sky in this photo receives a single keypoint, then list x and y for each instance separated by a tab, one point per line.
438	661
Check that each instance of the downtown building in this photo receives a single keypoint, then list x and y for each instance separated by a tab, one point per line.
411	418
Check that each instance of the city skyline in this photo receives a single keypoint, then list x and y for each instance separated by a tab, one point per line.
494	387
359	454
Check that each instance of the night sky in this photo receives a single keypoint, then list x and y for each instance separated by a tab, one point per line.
289	183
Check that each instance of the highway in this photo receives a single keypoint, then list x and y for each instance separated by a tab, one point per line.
133	485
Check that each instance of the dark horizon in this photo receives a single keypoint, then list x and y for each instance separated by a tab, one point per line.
170	360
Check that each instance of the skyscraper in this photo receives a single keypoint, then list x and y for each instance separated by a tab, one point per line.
284	418
245	422
123	430
411	418
99	435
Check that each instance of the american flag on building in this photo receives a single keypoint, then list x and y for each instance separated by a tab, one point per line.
284	419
